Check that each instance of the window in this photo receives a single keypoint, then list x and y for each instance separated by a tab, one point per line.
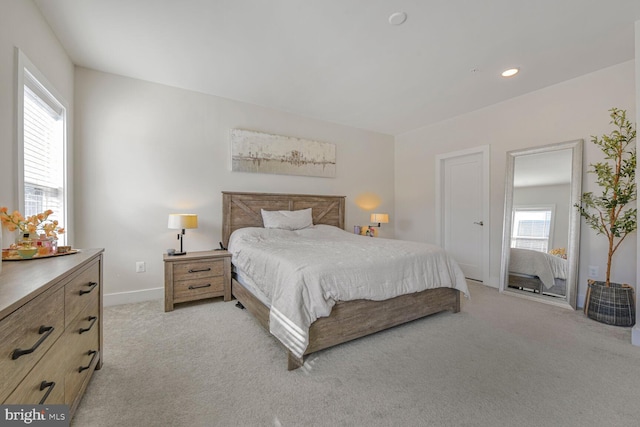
42	146
531	228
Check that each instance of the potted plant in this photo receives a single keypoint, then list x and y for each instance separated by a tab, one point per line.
612	213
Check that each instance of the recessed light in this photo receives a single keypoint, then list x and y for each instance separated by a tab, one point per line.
510	72
397	18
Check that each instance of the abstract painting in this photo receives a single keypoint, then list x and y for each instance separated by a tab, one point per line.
259	152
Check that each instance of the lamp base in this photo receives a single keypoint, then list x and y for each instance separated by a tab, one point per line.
178	253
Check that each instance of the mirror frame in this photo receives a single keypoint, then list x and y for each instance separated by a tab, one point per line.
573	246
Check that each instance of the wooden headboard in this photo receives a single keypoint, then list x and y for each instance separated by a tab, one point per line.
241	210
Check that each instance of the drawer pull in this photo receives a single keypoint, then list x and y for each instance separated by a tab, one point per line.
93	354
208	285
91	319
200	270
91	285
50	386
18	352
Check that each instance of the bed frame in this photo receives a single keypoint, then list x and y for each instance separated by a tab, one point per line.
533	283
349	319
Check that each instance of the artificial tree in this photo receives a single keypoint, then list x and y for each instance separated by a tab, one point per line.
612	212
616	176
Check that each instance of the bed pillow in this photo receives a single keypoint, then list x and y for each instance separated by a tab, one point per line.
287	220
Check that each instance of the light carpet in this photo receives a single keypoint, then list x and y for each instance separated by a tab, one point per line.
501	361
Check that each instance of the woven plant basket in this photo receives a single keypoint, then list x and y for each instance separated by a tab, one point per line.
613	305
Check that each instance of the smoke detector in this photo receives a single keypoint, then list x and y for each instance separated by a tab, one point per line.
397	18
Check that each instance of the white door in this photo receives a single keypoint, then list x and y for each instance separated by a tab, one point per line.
464	210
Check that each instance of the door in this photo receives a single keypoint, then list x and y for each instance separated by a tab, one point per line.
464	210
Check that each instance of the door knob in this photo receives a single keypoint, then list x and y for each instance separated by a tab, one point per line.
481	223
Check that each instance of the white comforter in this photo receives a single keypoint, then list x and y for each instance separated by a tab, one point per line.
541	264
305	272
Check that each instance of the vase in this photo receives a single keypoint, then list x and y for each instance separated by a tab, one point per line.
613	305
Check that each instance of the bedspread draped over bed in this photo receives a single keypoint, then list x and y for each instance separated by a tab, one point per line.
304	272
534	263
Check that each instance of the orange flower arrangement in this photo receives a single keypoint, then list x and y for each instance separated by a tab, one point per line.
39	224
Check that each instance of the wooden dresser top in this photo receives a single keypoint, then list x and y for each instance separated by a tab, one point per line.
21	281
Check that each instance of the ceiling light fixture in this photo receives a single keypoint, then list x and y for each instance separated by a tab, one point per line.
397	18
510	72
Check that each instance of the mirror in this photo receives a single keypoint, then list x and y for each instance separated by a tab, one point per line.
541	231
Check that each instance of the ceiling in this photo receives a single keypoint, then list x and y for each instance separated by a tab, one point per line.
340	60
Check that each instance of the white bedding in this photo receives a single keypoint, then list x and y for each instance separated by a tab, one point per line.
304	272
534	263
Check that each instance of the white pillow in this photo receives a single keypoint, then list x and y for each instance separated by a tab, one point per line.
287	220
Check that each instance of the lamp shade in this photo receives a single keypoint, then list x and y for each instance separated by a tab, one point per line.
182	221
380	218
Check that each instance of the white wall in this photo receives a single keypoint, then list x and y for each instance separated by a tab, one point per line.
22	26
145	150
575	109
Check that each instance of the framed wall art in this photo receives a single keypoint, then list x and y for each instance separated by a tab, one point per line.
259	152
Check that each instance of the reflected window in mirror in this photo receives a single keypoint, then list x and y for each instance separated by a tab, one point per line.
532	227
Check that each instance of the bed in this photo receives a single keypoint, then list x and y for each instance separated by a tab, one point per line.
347	319
537	271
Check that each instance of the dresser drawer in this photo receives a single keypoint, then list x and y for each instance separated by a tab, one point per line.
45	382
198	269
26	335
82	290
81	342
189	290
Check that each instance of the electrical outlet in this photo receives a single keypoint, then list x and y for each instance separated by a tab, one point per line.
140	267
593	271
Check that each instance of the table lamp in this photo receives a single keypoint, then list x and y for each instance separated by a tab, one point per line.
182	222
379	218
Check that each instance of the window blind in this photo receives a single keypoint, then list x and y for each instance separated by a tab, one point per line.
531	229
43	150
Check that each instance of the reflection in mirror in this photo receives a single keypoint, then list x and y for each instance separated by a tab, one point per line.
541	226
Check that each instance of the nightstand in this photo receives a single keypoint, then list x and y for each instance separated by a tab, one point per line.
196	275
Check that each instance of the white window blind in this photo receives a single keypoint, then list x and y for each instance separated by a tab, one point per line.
43	150
531	229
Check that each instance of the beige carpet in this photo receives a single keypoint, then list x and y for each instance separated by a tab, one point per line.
501	361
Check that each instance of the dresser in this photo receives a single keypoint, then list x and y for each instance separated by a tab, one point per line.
196	275
50	328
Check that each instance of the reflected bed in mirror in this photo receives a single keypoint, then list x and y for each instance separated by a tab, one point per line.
541	226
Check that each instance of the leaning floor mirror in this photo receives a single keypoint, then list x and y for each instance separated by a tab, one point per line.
541	231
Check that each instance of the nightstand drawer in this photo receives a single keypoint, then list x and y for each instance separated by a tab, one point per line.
189	290
198	269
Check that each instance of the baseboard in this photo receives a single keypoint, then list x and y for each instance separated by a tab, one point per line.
120	298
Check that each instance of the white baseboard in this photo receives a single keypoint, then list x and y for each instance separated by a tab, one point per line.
120	298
